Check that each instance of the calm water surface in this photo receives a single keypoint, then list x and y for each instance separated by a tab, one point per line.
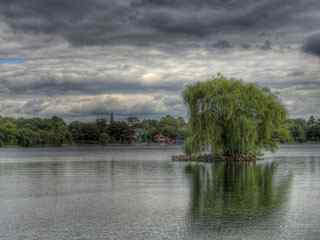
134	193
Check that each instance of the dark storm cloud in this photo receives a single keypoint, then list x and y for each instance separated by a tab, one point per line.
222	44
53	86
292	85
267	45
98	22
95	105
111	105
312	45
81	21
201	18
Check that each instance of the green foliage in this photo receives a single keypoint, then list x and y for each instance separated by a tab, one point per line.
104	138
33	132
120	132
305	131
297	129
233	118
168	126
84	132
188	146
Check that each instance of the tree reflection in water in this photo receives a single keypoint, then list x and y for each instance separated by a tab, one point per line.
236	190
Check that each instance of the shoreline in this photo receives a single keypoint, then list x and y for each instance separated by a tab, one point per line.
138	145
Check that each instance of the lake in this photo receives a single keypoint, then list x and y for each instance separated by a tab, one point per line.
139	193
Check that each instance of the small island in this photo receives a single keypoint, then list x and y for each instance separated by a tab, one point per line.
232	120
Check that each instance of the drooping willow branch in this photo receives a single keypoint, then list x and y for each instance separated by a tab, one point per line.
233	118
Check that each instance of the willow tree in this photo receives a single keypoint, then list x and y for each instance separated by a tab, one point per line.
233	119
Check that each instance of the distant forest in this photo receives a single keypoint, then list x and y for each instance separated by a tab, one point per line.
303	131
56	132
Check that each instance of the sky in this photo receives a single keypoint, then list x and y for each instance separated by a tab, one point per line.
82	59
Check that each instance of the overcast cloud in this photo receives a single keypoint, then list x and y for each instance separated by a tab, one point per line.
133	57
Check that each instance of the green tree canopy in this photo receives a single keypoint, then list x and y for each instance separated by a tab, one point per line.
233	119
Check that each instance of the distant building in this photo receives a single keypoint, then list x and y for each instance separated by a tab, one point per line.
159	138
139	135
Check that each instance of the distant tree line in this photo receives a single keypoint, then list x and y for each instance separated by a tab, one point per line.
34	131
56	132
126	132
100	132
303	131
